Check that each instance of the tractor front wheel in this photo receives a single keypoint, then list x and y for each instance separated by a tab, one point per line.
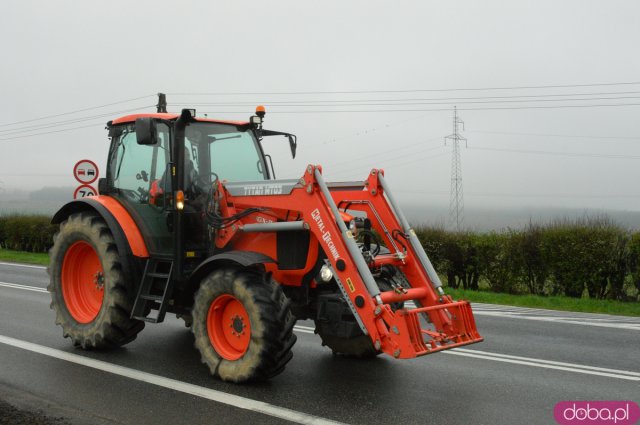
90	294
243	325
358	344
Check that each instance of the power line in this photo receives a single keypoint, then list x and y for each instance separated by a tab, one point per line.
386	159
23	136
77	110
365	169
367	131
455	99
64	122
407	91
431	110
558	135
569	154
49	132
34	175
523	195
403	163
410	103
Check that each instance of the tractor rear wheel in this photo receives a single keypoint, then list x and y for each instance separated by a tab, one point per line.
243	325
357	345
90	294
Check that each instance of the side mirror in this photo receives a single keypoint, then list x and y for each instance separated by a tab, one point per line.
146	131
293	144
103	186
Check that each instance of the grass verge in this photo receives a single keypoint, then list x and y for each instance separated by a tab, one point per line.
24	257
552	303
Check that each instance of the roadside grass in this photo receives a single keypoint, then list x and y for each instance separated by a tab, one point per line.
24	257
582	305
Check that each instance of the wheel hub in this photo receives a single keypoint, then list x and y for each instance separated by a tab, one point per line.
237	325
98	280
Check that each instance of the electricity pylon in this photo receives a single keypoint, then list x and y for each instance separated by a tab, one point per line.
456	200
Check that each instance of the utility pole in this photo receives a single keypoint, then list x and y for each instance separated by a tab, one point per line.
456	200
162	103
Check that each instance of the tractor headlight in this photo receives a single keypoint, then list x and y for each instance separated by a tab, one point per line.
180	200
353	227
326	274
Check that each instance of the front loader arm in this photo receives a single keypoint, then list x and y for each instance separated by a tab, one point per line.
438	323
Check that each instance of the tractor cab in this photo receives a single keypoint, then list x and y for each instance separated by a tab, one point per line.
161	164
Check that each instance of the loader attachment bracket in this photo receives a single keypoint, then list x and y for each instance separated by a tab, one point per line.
426	338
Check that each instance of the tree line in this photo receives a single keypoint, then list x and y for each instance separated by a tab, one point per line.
576	257
579	257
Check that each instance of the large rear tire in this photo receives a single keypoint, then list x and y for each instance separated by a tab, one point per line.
358	344
90	294
243	325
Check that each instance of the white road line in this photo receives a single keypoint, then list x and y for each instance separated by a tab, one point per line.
528	361
22	265
24	287
572	365
618	322
172	384
559	319
542	365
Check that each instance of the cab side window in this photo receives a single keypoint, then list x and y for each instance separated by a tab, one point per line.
134	168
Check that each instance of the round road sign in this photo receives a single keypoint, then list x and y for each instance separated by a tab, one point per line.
85	171
83	191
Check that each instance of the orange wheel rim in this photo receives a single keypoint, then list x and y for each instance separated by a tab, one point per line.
82	282
228	327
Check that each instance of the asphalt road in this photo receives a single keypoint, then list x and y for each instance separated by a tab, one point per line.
530	360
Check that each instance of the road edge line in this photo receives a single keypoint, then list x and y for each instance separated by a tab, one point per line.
172	384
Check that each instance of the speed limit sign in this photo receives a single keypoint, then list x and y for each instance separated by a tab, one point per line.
83	191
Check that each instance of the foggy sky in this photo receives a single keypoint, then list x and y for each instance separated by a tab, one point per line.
68	55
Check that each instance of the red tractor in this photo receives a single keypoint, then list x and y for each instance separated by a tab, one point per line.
190	220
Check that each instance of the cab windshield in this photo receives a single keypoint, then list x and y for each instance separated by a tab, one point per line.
223	151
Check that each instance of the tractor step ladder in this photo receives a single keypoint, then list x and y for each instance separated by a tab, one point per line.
155	291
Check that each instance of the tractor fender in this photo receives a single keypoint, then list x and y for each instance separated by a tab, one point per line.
229	258
127	236
118	219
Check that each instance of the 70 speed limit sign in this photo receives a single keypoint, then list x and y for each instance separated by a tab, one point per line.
83	191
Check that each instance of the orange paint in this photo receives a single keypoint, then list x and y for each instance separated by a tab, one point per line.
131	231
132	118
81	288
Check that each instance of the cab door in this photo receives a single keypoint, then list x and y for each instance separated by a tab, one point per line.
138	177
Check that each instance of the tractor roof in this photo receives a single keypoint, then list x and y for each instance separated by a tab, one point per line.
133	117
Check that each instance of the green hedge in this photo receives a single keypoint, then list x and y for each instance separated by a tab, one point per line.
589	257
30	233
